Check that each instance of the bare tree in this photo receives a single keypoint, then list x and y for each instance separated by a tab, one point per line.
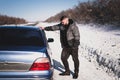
99	11
4	19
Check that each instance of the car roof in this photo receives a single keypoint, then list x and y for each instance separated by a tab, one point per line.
20	27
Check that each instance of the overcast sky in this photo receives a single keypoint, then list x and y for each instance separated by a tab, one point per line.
35	10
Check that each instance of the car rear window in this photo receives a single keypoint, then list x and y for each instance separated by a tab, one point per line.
20	37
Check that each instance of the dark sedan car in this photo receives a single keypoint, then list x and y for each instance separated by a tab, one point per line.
24	54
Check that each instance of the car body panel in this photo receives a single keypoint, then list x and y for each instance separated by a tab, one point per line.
18	60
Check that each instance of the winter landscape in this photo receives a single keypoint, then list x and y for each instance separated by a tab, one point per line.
98	22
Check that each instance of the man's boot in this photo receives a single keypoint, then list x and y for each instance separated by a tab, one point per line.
75	75
65	73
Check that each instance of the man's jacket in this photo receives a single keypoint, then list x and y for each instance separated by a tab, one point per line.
72	34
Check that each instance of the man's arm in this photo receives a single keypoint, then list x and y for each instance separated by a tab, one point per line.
53	28
76	34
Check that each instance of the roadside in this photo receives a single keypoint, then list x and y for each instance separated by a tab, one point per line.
88	69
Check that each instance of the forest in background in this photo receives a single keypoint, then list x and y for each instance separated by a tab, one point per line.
4	19
97	11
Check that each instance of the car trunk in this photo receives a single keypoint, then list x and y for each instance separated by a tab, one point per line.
18	60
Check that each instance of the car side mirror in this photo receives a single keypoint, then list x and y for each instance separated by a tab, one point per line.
50	40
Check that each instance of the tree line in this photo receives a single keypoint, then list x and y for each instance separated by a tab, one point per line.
4	19
97	11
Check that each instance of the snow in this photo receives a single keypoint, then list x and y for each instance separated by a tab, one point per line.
106	41
102	44
94	42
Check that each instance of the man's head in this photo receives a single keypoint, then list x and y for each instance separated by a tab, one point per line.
64	20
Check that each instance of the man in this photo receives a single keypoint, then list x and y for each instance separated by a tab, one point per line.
70	40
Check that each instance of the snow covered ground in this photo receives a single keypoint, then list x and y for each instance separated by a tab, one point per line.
102	45
99	53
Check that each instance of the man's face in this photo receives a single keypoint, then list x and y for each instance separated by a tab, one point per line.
65	21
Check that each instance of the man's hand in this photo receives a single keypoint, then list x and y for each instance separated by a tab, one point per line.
42	28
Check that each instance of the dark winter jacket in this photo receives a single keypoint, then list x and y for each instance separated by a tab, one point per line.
69	34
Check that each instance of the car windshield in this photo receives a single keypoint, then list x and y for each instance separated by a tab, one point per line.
20	37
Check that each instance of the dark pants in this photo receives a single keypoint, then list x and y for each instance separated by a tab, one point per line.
66	52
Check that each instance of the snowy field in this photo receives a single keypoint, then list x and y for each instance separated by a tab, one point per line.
99	53
102	45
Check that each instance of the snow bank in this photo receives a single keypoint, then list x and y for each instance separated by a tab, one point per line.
101	45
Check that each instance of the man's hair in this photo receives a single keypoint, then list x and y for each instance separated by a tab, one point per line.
63	17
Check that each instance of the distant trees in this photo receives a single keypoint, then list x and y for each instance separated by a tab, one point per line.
4	19
100	11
